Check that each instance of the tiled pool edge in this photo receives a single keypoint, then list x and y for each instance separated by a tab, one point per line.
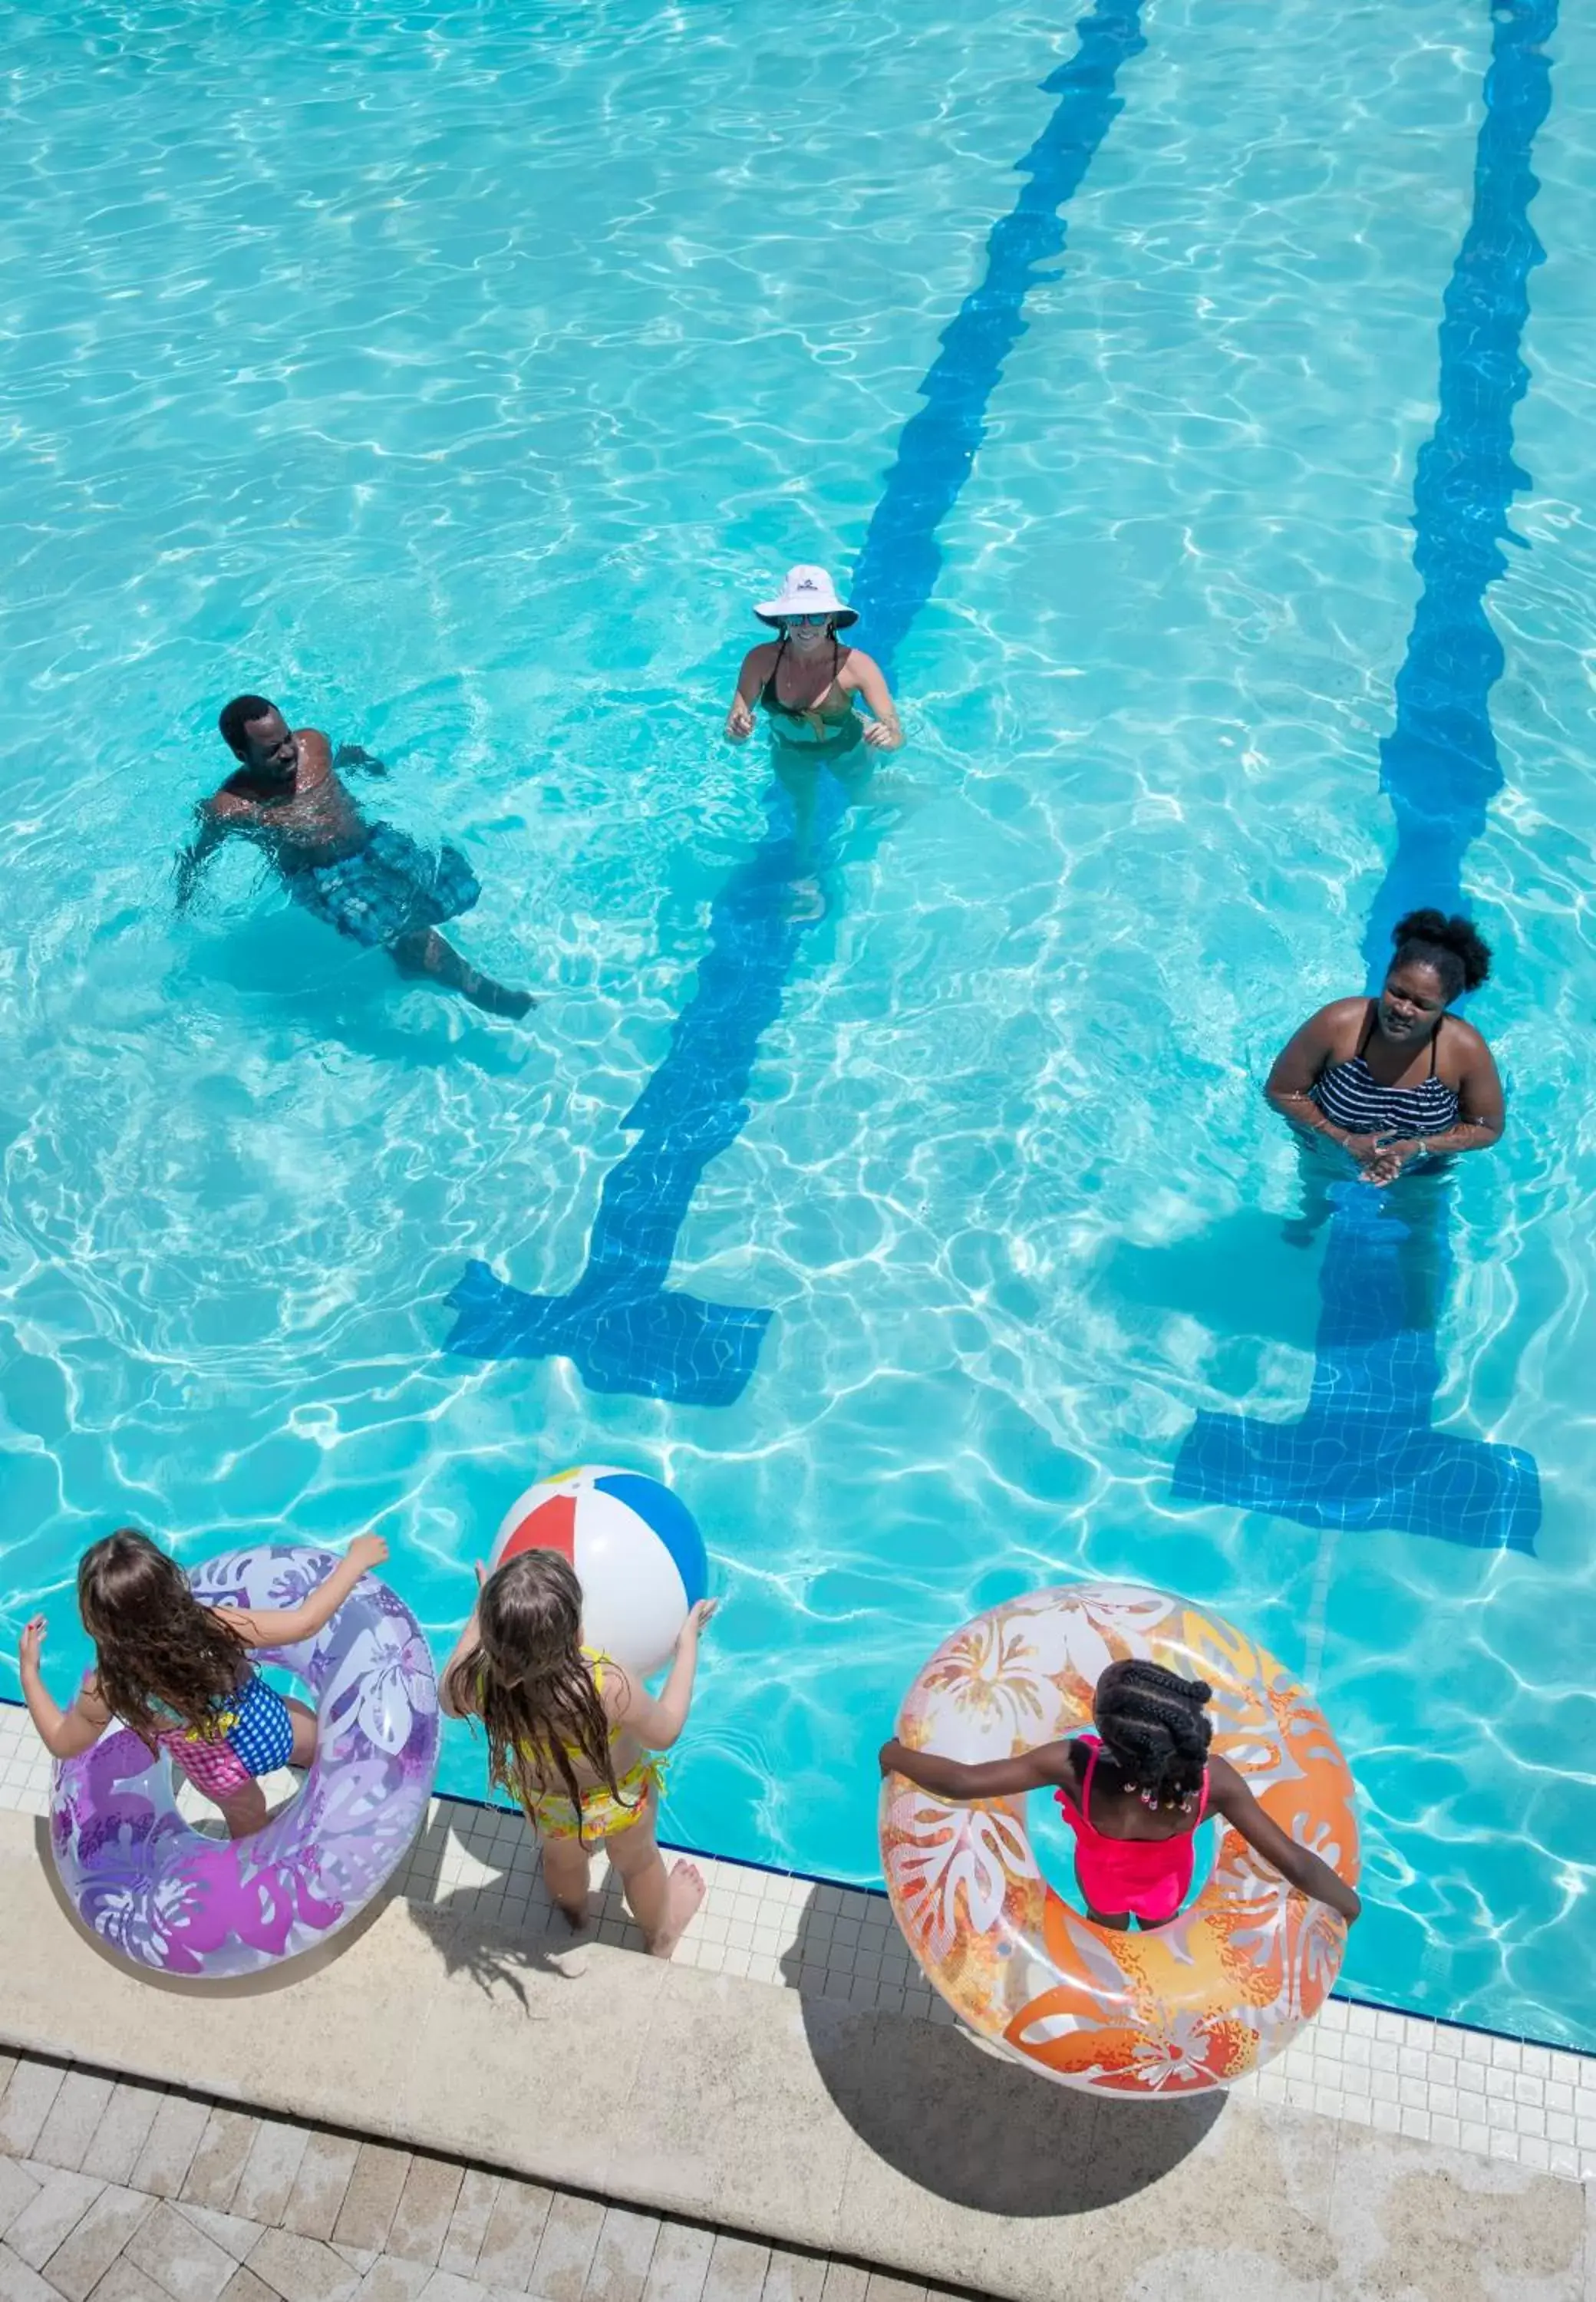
1453	2085
798	2124
788	2119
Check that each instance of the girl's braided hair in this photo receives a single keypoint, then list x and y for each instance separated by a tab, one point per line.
1155	1727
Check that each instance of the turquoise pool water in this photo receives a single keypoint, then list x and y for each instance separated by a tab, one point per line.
456	376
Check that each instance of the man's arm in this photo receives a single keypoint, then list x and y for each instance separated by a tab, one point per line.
349	756
209	836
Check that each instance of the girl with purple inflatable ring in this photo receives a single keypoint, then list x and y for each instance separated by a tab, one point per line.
176	1672
172	1665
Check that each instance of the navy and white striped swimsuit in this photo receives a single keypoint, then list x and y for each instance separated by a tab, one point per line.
1350	1096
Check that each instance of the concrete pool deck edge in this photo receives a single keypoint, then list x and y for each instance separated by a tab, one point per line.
839	2128
767	1895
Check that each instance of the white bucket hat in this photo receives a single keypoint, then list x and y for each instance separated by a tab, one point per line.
806	591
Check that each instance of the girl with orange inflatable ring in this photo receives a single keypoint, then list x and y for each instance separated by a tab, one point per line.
1197	1997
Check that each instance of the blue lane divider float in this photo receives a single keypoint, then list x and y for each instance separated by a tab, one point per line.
1364	1455
621	1326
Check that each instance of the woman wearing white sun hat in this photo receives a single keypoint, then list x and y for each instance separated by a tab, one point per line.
807	685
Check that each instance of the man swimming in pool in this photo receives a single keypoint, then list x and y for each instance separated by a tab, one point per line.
369	880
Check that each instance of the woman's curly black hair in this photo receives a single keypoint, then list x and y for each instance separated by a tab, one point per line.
1454	947
1155	1727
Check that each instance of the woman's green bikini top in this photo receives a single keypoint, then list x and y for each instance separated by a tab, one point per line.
823	719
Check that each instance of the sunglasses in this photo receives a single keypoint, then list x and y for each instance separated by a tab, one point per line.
812	623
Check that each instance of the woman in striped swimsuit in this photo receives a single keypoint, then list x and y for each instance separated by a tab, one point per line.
1398	1080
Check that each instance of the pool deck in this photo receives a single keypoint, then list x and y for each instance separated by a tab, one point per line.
126	2192
457	2023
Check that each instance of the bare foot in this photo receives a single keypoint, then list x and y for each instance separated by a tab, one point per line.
498	999
686	1893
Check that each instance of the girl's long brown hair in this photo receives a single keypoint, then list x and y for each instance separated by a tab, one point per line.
158	1653
528	1681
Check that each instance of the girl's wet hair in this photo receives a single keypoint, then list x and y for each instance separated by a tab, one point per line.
529	1683
160	1657
1454	947
1155	1727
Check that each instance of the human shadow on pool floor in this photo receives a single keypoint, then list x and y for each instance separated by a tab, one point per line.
1239	1278
299	984
963	2122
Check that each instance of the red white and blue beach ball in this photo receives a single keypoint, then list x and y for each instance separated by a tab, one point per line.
637	1551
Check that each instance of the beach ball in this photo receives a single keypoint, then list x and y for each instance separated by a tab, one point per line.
637	1551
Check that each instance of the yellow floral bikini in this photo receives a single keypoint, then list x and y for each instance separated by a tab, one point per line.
604	1813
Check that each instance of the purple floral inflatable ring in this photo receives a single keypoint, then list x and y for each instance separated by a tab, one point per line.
166	1896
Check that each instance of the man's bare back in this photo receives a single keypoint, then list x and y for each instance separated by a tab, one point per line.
369	881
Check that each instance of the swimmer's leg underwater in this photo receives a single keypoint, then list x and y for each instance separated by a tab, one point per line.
424	953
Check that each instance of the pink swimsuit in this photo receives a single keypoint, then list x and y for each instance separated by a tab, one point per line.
245	1738
1147	1877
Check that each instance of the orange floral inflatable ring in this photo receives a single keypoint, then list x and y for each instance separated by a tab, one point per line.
1195	2004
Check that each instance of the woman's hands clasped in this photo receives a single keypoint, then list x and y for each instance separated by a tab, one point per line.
1382	1158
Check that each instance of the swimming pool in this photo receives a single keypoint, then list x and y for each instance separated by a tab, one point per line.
458	376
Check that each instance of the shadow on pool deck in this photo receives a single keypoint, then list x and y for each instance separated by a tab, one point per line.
962	2120
282	1974
939	2106
807	2123
465	1928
